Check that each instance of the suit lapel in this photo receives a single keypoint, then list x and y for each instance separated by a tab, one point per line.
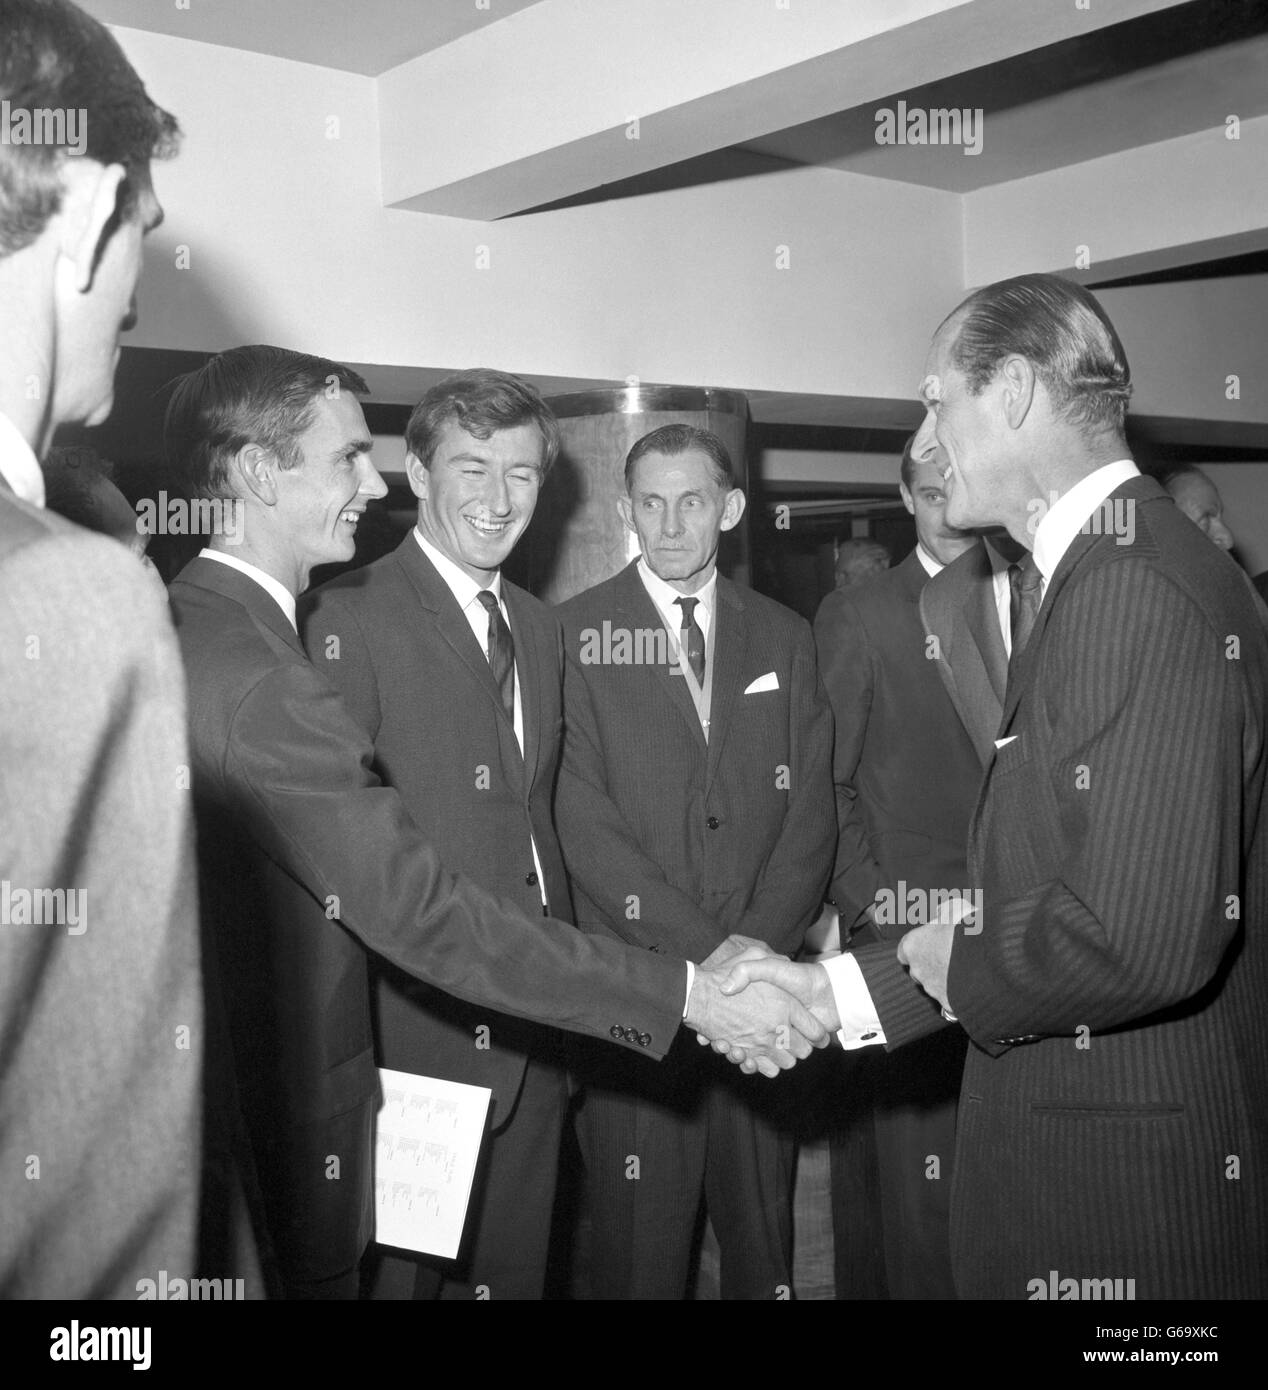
957	607
982	617
728	662
436	598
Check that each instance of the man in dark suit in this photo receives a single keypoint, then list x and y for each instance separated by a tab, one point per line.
1112	1122
695	800
906	778
474	753
305	855
100	994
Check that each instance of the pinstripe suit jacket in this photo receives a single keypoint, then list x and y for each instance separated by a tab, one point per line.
1112	1121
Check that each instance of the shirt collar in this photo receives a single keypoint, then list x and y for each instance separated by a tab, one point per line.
930	565
18	465
277	591
460	583
1065	517
666	597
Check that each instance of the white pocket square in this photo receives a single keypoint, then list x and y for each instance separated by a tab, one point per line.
1004	742
770	681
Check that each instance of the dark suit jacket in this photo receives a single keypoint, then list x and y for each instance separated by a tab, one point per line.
957	607
101	1018
906	774
1112	1122
412	674
302	847
673	843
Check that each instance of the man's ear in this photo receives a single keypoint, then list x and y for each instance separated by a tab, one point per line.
91	202
626	509
1018	380
905	493
254	470
733	509
416	472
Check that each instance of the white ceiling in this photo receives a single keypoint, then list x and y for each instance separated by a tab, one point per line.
365	36
1028	128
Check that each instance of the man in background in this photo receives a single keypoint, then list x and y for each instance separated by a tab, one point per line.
99	980
906	778
695	801
1199	499
858	560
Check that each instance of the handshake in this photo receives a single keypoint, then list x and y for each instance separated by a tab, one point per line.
760	1010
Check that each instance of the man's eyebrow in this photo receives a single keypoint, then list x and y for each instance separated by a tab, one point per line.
357	446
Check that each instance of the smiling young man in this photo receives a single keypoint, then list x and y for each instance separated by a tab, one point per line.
695	801
455	675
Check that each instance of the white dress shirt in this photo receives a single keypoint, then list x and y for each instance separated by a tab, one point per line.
18	465
666	597
465	591
277	591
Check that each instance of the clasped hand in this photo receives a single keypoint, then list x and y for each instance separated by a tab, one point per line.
759	1009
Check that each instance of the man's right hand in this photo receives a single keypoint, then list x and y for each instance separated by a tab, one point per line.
808	984
768	1029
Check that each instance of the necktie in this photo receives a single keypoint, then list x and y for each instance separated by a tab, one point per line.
501	651
692	637
1026	585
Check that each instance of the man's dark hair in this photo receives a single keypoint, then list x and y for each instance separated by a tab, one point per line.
482	401
1062	331
679	439
248	395
54	57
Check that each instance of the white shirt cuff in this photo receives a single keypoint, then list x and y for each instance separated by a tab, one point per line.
860	1026
691	979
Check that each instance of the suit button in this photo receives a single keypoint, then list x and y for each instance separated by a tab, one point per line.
644	1039
531	880
631	1035
713	822
617	1031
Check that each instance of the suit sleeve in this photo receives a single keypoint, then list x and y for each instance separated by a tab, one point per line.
602	854
299	767
1126	818
848	662
905	1011
790	892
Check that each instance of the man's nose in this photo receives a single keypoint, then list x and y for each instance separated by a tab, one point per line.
924	445
672	525
371	482
1221	535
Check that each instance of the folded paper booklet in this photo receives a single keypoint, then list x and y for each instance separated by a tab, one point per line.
427	1142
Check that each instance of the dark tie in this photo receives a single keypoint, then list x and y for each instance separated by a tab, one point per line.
692	637
501	651
1026	585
